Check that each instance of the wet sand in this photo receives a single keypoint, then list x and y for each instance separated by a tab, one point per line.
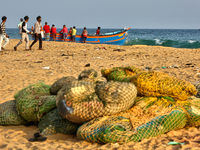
58	59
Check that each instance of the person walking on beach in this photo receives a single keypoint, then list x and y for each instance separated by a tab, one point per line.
84	34
98	31
37	33
24	34
3	35
65	32
20	26
53	31
47	31
74	34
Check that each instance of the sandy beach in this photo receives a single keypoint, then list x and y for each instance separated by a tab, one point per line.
59	59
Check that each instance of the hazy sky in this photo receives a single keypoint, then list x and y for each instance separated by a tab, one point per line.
152	14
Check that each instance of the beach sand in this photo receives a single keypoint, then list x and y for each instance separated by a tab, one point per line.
21	68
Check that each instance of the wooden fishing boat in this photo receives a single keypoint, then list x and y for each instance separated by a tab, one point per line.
114	38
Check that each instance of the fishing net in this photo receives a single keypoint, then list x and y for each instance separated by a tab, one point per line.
34	101
153	84
198	89
157	84
122	74
9	115
78	101
117	96
192	111
146	119
60	83
90	73
53	123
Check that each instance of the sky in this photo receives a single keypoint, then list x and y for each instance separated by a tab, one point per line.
137	14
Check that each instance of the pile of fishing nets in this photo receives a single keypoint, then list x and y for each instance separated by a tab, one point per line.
81	101
153	84
9	114
150	117
53	123
106	109
35	101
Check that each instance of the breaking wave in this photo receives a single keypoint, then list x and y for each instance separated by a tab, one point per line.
167	43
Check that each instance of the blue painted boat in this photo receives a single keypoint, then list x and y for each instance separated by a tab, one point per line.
114	38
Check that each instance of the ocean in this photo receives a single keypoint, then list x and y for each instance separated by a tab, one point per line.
178	38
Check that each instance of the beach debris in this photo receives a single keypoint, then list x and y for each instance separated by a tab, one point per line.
103	48
87	65
27	55
163	67
97	48
46	67
119	50
39	61
175	66
148	68
38	138
175	143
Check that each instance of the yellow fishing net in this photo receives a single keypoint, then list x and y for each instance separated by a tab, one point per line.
152	84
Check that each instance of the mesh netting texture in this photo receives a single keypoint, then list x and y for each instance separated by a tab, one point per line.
89	73
133	125
60	83
9	114
81	101
122	74
154	84
150	117
35	101
53	123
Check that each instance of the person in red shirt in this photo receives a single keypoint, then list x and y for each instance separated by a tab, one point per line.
53	31
98	31
84	35
65	32
47	31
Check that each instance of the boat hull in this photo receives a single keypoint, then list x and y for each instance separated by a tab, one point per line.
117	38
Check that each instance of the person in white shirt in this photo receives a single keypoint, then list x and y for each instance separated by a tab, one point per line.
37	31
24	34
20	26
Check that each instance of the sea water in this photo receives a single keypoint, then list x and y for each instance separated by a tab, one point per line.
179	38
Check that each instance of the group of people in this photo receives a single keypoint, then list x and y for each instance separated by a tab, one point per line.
36	31
64	31
24	33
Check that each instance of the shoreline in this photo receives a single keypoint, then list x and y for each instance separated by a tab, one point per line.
21	68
